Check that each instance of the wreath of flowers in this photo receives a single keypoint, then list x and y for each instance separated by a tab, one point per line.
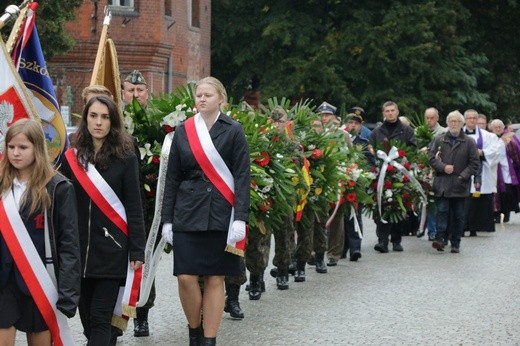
400	193
149	127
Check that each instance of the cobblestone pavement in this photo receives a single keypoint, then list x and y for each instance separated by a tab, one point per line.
417	297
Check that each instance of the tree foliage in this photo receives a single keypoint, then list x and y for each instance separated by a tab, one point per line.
51	18
417	53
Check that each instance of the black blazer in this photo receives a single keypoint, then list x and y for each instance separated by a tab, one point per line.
194	204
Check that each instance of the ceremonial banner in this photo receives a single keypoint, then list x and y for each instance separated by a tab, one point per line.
15	102
106	66
30	63
108	72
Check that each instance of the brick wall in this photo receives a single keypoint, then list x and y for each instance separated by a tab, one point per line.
145	39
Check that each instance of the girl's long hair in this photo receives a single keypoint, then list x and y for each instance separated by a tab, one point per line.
117	144
42	171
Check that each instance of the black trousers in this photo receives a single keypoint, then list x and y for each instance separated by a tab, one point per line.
394	230
96	306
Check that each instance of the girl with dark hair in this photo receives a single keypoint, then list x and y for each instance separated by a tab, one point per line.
104	171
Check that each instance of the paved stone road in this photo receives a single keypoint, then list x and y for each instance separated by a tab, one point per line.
418	297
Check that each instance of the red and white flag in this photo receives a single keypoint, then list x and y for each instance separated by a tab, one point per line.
15	102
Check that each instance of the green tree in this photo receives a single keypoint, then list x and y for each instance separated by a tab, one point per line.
350	52
495	28
51	17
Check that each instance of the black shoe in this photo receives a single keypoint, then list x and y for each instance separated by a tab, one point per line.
299	276
141	327
274	272
282	282
332	262
397	247
343	255
420	234
232	305
195	335
233	308
321	267
431	238
438	245
255	288
473	233
455	249
355	256
383	248
292	268
262	282
208	341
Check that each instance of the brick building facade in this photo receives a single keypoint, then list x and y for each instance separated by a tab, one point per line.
167	40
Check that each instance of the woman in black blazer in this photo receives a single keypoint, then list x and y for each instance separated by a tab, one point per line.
198	219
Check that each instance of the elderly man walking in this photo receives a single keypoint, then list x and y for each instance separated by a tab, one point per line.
454	158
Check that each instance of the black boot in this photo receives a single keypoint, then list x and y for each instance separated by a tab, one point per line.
208	341
292	268
141	323
282	280
232	305
195	336
321	267
262	282
255	287
300	271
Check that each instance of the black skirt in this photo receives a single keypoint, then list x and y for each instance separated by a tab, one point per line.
202	253
19	310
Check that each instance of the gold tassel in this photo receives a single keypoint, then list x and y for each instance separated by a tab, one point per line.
234	250
129	311
119	322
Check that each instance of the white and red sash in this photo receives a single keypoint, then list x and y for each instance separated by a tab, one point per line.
215	169
33	271
108	202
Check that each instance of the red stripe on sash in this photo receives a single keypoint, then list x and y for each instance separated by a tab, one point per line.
94	193
205	164
29	277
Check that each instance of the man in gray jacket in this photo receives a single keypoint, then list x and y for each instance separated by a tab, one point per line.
454	158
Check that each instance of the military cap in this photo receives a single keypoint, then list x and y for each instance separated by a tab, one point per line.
354	116
358	111
136	77
326	107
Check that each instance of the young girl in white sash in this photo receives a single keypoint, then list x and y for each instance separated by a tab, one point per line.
39	246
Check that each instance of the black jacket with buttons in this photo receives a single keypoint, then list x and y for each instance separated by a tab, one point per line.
64	242
105	249
193	203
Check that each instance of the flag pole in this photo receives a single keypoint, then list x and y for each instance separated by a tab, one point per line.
15	31
101	46
11	12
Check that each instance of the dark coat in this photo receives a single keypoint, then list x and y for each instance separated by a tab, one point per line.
105	249
196	204
402	133
358	140
64	241
463	155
